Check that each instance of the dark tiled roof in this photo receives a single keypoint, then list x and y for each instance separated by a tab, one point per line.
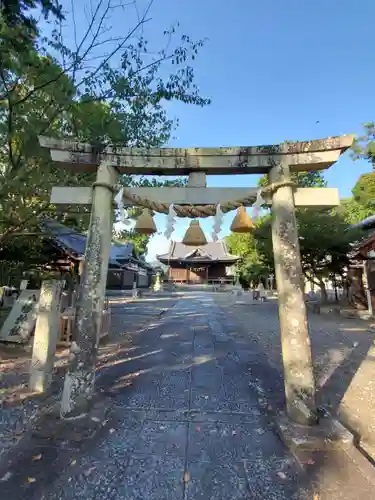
75	243
367	236
213	250
368	223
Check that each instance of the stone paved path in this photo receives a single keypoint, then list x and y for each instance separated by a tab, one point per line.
189	421
343	353
19	408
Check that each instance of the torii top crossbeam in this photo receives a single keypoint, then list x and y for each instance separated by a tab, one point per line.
301	156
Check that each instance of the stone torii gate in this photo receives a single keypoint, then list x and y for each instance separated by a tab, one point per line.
278	161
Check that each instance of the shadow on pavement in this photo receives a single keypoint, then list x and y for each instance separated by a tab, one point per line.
191	406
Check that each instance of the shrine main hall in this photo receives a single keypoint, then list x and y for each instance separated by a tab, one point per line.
201	264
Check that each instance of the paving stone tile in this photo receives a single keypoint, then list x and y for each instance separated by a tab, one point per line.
212	440
90	479
213	481
174	384
181	415
122	433
275	478
162	438
254	415
154	401
206	371
210	396
152	478
205	401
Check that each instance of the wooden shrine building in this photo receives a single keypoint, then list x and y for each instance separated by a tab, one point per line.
68	248
197	265
361	271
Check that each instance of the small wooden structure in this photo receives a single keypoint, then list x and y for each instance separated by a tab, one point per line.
67	317
206	264
361	272
68	248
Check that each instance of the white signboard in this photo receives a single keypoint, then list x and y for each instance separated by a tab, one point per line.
20	322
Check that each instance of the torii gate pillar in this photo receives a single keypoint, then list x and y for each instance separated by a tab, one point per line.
295	340
80	377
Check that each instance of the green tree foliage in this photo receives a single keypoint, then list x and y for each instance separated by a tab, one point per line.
324	236
324	239
18	23
303	179
364	146
252	265
85	92
17	12
352	211
140	241
255	249
362	203
364	190
324	243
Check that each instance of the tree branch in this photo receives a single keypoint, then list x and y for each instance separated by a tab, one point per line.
6	234
119	46
14	163
78	59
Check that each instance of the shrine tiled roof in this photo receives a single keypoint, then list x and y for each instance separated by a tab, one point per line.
365	224
74	243
212	251
361	246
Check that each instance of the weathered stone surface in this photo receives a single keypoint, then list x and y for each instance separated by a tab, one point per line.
329	434
80	377
318	154
51	426
181	454
46	335
295	341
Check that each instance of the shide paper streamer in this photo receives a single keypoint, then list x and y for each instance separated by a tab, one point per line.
170	222
217	223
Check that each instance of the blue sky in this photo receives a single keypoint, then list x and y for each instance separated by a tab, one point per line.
273	70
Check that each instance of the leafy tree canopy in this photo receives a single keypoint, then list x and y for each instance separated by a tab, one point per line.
364	146
352	211
324	239
15	13
83	91
362	203
364	190
252	265
324	243
302	179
